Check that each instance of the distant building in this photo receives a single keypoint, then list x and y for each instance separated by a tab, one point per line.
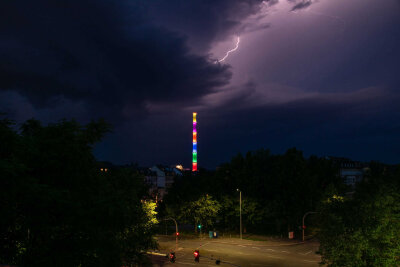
105	166
157	169
166	175
150	178
160	178
352	172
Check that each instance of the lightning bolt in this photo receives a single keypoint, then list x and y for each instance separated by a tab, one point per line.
230	51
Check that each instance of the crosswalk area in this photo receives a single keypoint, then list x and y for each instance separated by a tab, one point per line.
243	253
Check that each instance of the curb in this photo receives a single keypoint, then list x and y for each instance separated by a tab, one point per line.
156	253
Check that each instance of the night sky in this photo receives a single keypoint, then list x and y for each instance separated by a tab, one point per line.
322	76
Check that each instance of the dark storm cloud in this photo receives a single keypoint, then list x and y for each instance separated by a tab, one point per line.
126	59
205	21
354	125
102	52
300	4
250	27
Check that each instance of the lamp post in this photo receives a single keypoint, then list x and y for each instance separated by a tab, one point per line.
240	210
303	227
176	230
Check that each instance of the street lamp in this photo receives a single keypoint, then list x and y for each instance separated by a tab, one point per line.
304	217
240	210
176	230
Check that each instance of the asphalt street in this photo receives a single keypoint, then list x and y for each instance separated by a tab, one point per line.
236	252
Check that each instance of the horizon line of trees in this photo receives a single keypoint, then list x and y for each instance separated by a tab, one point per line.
277	190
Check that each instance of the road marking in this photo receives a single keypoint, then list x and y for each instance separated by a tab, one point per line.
202	245
310	261
284	251
241	246
275	257
269	249
306	253
156	253
188	263
256	247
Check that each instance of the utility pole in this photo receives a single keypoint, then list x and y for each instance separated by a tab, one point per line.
176	230
240	211
303	226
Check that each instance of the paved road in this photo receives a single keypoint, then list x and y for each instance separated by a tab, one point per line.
236	252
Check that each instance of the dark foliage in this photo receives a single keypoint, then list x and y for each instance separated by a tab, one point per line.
362	229
58	208
277	189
